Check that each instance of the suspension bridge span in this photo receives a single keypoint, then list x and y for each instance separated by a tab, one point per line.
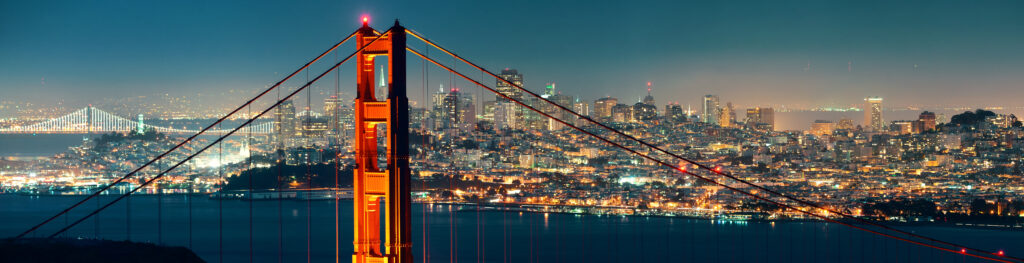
381	223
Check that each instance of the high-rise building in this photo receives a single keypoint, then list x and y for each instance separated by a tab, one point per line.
873	114
332	109
581	106
513	115
549	90
644	113
711	110
927	119
603	107
458	111
674	113
727	115
761	118
511	75
649	100
285	122
622	113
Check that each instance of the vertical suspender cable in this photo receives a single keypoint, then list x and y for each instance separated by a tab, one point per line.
309	169
220	200
248	141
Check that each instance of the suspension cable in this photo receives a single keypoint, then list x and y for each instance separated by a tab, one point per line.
221	138
189	139
699	165
679	168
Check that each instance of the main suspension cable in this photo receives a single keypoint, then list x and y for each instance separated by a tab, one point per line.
189	139
699	165
679	168
221	138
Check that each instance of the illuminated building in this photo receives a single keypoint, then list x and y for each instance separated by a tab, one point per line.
711	110
513	76
873	114
622	113
649	100
511	114
674	113
927	119
332	108
645	113
902	127
285	122
761	118
603	107
845	124
727	115
822	127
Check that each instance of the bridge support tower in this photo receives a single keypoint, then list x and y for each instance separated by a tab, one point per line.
379	189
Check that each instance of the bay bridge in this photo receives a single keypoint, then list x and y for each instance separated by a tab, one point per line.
93	120
383	219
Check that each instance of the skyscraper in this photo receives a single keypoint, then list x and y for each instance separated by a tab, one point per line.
873	114
285	122
674	113
727	115
603	107
649	100
332	109
512	115
711	110
513	76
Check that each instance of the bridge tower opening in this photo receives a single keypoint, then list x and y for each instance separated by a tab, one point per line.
375	186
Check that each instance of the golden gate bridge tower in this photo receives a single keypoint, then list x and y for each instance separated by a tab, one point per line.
374	186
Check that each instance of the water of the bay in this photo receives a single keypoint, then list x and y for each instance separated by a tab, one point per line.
291	230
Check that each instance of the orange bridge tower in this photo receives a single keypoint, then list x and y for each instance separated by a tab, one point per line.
378	188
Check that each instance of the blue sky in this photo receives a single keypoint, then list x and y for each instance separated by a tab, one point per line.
748	52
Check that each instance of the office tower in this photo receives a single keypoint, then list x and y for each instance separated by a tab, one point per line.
927	119
581	106
727	115
760	119
873	114
674	113
711	110
285	122
603	107
645	113
332	107
622	113
513	76
549	90
513	114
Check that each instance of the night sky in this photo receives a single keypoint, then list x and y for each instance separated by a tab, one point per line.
798	53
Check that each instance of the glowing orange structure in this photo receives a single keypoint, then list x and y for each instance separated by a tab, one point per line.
378	189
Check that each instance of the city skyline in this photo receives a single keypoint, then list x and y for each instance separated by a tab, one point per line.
908	53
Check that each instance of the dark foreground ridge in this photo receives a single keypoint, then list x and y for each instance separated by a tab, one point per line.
90	250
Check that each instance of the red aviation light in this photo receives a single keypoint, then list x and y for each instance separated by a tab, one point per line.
682	167
718	169
963	251
366	19
1001	253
